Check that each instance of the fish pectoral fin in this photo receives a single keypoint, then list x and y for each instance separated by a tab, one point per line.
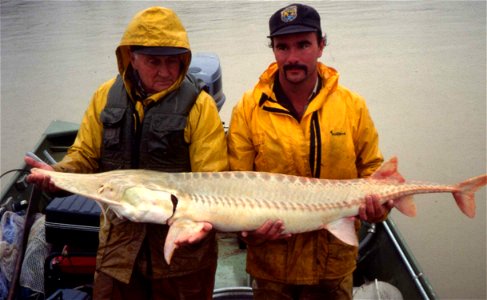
406	205
344	230
180	232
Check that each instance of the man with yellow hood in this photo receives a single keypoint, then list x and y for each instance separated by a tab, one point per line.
153	115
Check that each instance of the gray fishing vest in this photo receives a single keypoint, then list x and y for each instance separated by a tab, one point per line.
158	142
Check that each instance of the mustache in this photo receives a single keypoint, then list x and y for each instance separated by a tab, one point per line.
295	67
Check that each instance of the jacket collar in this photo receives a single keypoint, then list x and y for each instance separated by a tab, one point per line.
265	90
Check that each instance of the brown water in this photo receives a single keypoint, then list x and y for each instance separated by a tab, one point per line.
421	66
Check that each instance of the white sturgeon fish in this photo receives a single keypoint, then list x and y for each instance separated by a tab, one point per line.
243	201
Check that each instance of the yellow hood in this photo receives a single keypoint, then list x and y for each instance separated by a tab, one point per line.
155	27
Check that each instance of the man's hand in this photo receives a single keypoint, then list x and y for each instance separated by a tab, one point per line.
269	231
42	181
372	211
202	231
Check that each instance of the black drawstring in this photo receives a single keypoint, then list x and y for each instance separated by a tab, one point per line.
315	146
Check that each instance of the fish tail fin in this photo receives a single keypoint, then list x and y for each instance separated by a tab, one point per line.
465	196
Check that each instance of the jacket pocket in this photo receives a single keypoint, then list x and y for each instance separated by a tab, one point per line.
164	129
112	126
272	152
341	258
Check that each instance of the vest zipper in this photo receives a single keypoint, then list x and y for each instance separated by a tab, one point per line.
136	141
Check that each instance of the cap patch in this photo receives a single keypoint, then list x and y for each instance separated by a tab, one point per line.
289	14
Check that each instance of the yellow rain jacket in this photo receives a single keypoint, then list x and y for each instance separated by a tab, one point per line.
335	139
121	240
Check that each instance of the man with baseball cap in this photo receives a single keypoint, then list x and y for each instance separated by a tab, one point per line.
299	120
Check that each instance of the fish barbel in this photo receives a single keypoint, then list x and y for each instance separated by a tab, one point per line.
243	201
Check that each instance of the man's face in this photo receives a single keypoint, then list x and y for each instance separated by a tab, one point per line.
297	55
157	73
